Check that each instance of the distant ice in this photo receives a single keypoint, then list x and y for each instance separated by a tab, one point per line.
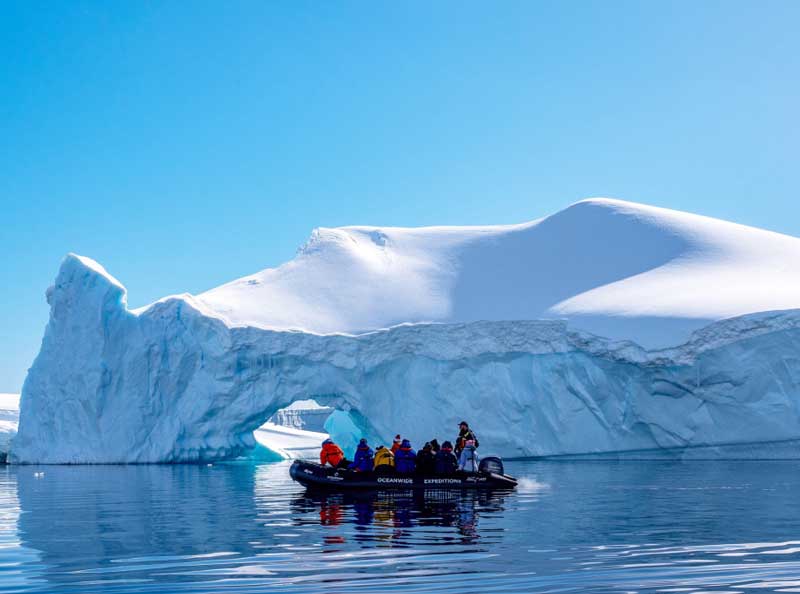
289	442
9	419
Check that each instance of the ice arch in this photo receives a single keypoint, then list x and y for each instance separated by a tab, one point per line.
171	383
175	383
298	430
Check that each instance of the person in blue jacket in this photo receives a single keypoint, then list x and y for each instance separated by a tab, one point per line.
405	458
362	461
468	460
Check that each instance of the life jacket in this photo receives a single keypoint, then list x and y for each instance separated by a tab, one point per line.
463	436
363	459
405	459
384	457
331	454
445	462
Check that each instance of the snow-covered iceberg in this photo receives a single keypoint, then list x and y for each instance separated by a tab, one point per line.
413	329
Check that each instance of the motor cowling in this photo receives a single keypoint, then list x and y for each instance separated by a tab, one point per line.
491	464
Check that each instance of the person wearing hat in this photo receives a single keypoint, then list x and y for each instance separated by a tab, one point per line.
445	461
468	460
332	454
405	458
464	433
396	443
362	461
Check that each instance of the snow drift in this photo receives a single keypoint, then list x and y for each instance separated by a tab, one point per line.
614	268
412	329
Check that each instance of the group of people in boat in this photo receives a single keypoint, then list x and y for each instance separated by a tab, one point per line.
401	458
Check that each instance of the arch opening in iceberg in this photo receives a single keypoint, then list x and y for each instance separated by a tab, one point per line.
298	430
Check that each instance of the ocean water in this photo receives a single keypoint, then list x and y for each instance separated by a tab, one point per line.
569	527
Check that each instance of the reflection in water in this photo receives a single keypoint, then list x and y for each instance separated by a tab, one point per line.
114	525
90	517
404	509
570	527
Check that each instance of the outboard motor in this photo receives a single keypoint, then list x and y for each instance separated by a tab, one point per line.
491	464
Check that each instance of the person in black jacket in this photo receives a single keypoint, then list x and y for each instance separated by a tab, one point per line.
435	447
464	434
425	464
445	461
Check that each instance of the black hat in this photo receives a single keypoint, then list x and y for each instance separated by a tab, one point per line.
463	423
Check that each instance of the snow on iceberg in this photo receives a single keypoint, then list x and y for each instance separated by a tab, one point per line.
618	269
190	378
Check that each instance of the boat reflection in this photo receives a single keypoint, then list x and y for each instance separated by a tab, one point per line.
97	528
398	509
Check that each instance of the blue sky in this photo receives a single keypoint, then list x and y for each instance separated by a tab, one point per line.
185	144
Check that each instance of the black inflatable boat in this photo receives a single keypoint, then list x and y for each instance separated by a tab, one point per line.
325	477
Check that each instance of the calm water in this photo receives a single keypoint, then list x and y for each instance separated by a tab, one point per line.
571	526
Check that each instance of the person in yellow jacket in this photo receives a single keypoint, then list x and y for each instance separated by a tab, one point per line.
384	460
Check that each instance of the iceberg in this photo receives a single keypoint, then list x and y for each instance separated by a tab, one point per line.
9	420
607	329
287	443
303	414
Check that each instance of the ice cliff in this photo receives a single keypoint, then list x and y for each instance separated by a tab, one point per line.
190	378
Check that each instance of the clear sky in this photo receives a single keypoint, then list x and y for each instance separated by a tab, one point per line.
184	144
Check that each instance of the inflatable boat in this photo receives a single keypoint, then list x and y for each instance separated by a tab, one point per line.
326	477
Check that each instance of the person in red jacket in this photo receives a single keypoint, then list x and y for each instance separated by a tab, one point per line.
332	454
396	443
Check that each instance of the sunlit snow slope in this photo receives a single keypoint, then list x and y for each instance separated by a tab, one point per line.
615	268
